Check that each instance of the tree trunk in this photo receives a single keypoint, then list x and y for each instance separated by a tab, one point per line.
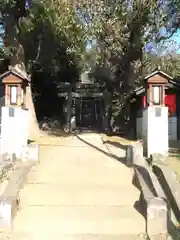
34	130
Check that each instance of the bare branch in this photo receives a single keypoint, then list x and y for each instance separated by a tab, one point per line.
38	51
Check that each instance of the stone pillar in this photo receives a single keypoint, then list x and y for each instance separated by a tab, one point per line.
158	216
155	131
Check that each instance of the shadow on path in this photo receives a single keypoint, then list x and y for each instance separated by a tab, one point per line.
174	231
116	144
119	159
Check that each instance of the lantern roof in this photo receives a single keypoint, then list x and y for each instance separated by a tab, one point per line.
171	82
158	72
17	74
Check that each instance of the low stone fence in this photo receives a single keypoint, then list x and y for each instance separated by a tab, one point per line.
13	172
171	187
153	203
9	198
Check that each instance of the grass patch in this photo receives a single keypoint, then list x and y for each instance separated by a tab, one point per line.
117	139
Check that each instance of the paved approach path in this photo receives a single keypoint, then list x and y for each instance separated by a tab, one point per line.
79	192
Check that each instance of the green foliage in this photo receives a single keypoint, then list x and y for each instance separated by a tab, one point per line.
51	30
120	32
168	63
50	33
121	29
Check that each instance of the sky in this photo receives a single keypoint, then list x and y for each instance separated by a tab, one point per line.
173	44
176	38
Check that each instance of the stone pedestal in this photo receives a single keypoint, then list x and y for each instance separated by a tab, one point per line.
6	214
155	130
14	130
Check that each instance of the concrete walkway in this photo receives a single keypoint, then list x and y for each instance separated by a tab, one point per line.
79	192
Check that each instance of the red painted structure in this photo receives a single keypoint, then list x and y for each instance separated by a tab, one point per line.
170	102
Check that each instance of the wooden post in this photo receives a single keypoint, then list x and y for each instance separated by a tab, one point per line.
106	110
132	122
69	109
178	115
19	95
78	111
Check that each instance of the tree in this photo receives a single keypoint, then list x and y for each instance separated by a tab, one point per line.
47	37
45	21
121	30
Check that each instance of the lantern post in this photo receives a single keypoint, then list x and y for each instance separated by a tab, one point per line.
155	115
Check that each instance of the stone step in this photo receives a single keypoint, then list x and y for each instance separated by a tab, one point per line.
84	170
82	175
74	178
46	194
79	220
101	164
98	151
22	236
84	156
